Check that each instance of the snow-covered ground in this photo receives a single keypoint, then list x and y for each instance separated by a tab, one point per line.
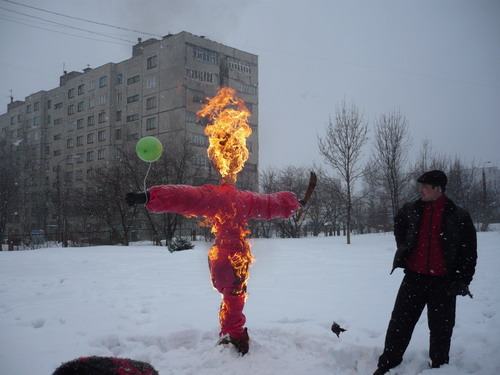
144	303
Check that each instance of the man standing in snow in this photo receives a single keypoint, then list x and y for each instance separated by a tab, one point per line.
436	246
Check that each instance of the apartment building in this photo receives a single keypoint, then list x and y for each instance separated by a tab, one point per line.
64	134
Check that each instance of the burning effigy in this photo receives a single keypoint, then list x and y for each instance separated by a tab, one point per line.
225	208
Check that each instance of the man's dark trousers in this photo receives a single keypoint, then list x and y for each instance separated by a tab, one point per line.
415	292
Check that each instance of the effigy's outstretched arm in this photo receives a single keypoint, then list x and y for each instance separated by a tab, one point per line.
182	199
282	204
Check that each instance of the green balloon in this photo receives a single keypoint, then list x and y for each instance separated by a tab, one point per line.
149	149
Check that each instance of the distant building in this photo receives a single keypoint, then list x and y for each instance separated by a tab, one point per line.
68	132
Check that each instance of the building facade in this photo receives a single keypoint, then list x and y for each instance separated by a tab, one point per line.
66	133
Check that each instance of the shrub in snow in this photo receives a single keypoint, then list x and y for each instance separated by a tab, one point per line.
179	244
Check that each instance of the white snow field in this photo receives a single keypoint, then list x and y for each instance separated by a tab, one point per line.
144	303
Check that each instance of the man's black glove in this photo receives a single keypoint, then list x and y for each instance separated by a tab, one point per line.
137	198
458	288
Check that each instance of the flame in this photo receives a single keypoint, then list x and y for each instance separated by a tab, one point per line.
224	310
241	261
227	132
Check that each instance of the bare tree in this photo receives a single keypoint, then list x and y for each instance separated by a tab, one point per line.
378	215
429	159
330	197
461	184
341	148
294	179
392	143
106	201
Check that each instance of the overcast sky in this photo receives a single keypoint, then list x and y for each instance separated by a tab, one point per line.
437	61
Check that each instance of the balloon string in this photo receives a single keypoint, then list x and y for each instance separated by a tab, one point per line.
145	177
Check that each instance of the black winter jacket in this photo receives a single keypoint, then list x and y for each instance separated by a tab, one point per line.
458	239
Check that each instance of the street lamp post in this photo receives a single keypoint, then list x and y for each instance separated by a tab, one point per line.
485	214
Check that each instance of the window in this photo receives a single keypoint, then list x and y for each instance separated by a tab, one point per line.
119	79
79	123
118	134
133	137
151	82
118	115
200	160
103	99
238	65
56	152
200	75
36	120
68	176
57	137
151	103
90	173
133	117
101	136
13	120
102	117
132	99
205	55
91	102
28	108
71	109
48	119
49	103
247	89
58	105
79	140
101	154
71	93
79	107
70	126
151	123
151	62
91	85
90	120
90	157
199	140
133	79
191	117
119	97
81	89
103	81
90	138
70	143
57	121
36	106
79	175
199	97
79	158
